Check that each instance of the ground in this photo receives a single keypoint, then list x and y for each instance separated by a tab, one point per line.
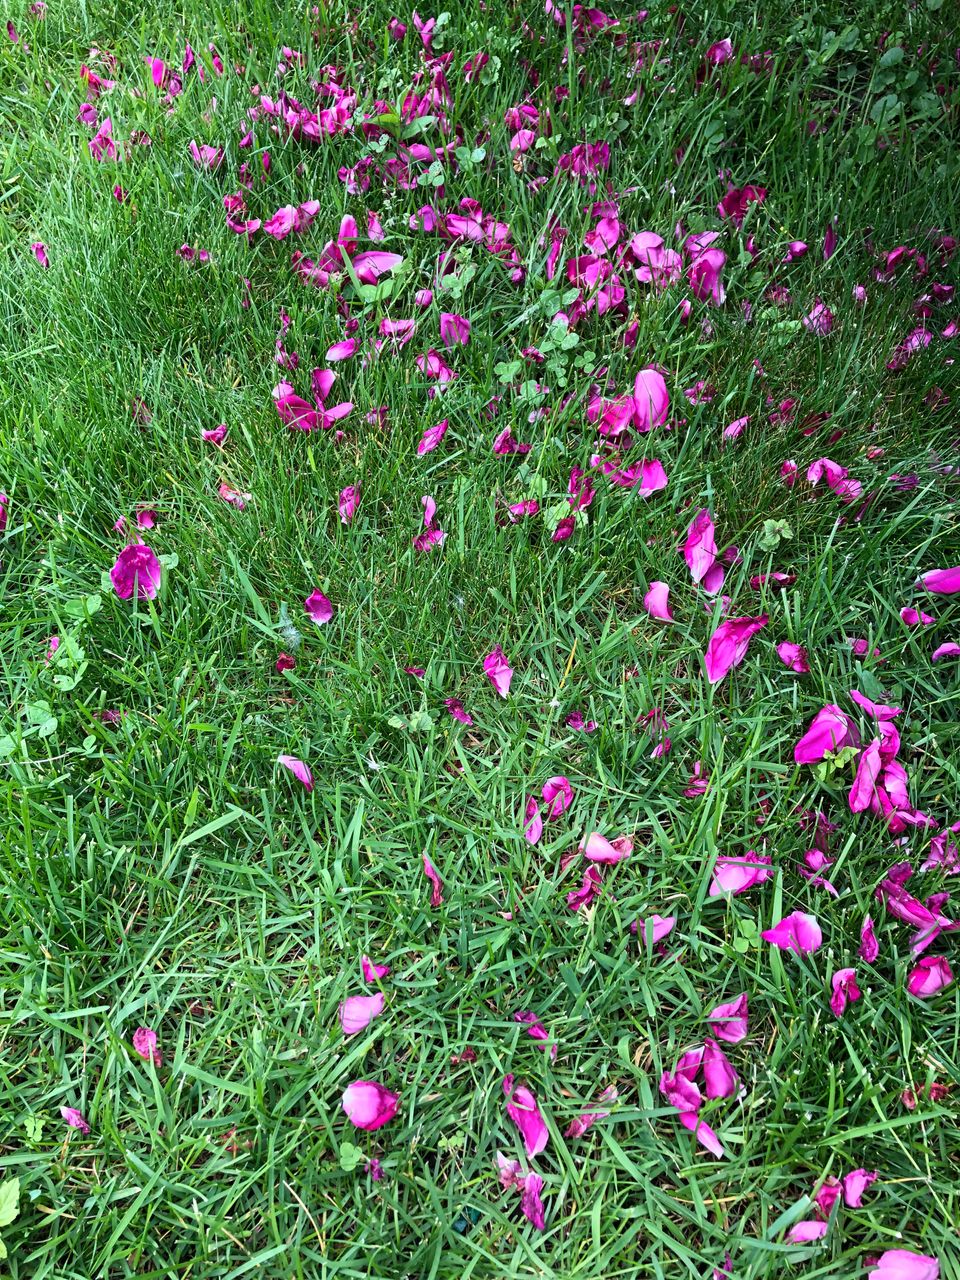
161	870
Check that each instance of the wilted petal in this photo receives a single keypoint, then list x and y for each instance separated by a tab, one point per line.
369	1105
498	670
318	607
146	1045
137	570
795	932
727	646
357	1012
845	990
855	1184
869	946
523	1110
728	1022
530	1201
372	971
430	871
299	770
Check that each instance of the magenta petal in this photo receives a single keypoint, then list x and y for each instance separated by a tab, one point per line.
845	990
370	266
137	570
795	932
793	656
942	581
855	1184
523	1110
728	1022
299	770
318	607
655	602
700	548
721	1079
530	1201
904	1264
498	670
727	646
146	1045
430	871
704	1134
863	791
372	971
948	650
357	1012
75	1119
558	794
369	1105
599	849
869	946
735	873
929	976
533	828
432	437
830	730
657	927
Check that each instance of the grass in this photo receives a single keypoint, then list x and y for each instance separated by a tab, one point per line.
161	870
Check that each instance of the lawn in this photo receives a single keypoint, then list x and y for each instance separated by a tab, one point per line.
479	638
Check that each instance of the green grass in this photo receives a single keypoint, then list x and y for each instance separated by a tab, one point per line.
163	870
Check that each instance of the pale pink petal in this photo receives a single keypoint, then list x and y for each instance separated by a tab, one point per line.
795	932
655	602
806	1232
704	1134
357	1012
369	1105
855	1184
735	873
299	770
904	1264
